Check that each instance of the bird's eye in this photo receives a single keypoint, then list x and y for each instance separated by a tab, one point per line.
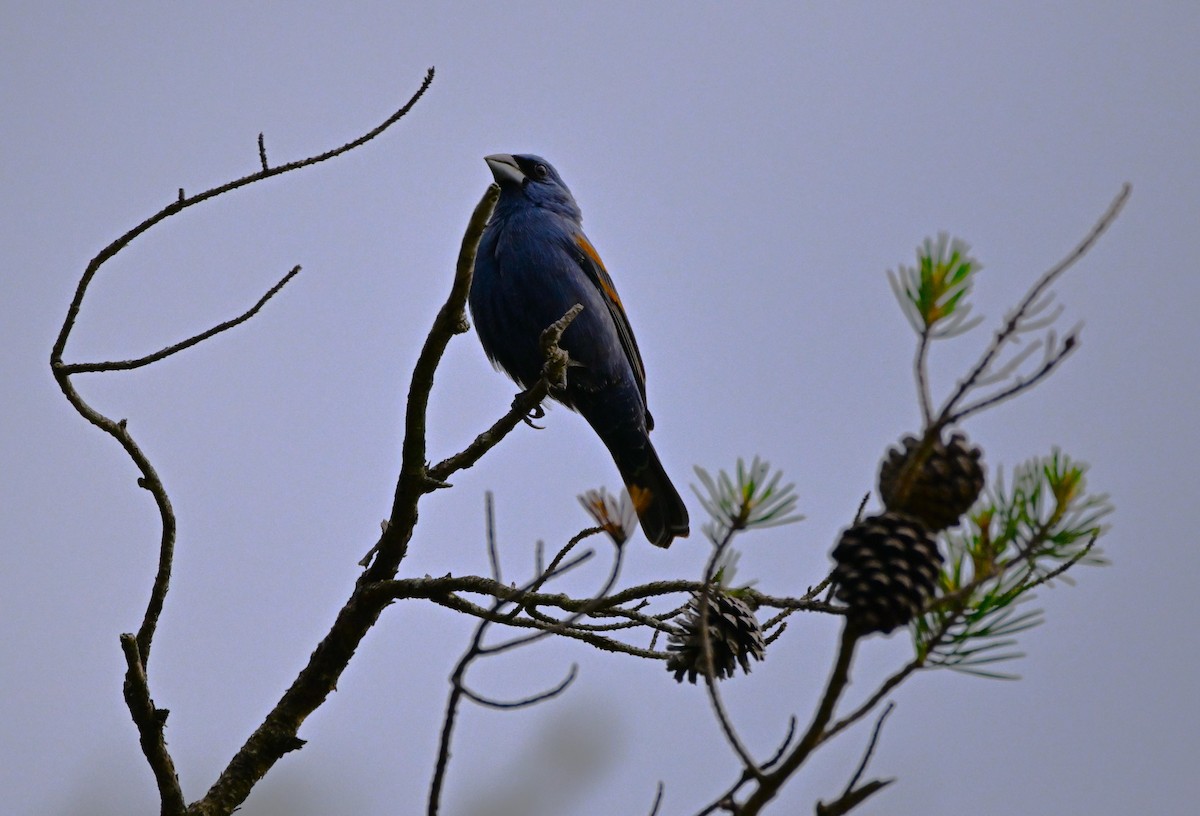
540	171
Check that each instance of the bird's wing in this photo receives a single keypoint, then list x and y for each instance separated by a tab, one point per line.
593	267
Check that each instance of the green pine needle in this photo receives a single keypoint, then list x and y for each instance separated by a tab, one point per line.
1016	539
752	499
933	293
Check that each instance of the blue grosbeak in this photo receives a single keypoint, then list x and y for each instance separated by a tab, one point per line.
534	264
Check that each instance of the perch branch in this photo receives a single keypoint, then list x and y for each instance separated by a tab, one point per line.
524	404
414	481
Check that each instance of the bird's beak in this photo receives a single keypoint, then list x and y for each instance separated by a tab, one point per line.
504	168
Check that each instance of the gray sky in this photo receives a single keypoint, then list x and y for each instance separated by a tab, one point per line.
748	174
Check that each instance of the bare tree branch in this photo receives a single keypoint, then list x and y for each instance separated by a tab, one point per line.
458	688
749	764
601	642
524	702
174	348
153	747
862	766
865	708
771	782
852	798
414	481
523	405
117	429
1031	301
1053	358
150	721
490	534
658	798
183	202
435	588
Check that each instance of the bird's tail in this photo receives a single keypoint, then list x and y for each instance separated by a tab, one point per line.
659	507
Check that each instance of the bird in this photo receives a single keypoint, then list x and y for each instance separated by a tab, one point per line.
533	264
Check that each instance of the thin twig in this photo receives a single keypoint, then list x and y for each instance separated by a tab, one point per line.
569	621
633	620
862	505
489	512
1011	366
852	799
710	676
783	746
583	534
1022	384
604	644
884	690
862	766
774	636
658	799
458	689
1066	565
524	702
1013	323
174	348
921	366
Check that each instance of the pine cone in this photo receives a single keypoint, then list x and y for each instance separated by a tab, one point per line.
887	568
733	633
943	486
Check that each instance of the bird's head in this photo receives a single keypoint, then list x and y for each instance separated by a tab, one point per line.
534	180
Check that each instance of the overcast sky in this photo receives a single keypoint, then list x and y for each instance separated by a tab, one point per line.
749	173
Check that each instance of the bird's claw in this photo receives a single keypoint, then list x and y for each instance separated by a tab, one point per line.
537	412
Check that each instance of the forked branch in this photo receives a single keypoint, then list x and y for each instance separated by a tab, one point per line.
148	719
